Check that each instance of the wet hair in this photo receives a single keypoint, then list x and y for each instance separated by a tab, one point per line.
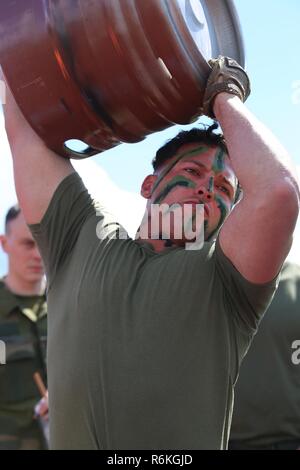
12	214
205	135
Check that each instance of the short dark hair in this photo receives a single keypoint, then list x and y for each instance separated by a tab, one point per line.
12	214
206	135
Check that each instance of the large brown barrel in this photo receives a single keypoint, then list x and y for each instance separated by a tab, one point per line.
111	71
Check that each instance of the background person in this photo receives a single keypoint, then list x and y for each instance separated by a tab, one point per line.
23	328
266	413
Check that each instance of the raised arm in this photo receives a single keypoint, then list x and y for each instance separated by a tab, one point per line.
257	235
37	170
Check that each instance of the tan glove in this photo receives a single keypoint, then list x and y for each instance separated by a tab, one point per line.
226	76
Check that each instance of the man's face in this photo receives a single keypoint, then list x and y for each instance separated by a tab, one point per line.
24	259
198	174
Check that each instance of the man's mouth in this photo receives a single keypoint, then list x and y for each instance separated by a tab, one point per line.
194	202
36	269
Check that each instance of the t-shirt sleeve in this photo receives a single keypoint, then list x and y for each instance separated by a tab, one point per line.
58	231
246	302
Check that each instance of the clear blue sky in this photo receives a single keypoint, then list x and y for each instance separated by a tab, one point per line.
271	35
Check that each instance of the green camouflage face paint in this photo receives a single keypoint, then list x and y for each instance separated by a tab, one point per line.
219	161
218	167
173	183
224	210
211	184
196	151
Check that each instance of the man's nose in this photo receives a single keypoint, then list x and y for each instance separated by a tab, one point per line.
36	254
206	190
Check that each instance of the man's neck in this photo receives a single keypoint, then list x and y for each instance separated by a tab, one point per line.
153	234
21	287
157	245
156	241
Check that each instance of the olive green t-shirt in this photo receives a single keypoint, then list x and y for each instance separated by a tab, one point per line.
144	347
23	329
267	396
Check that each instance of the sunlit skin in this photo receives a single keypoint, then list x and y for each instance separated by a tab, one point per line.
25	269
197	174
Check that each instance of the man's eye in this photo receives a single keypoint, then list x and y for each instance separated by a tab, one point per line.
224	190
192	171
29	244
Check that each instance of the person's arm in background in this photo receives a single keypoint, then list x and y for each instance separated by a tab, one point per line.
37	170
42	408
257	235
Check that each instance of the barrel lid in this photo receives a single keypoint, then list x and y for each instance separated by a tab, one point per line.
214	27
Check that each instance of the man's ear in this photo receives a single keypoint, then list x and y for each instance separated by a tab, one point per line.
3	243
147	186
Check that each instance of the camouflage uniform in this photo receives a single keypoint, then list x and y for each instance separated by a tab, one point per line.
23	328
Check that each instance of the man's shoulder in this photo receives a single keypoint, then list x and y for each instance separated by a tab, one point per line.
4	291
8	300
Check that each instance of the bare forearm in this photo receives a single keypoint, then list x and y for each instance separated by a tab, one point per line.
257	234
259	160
